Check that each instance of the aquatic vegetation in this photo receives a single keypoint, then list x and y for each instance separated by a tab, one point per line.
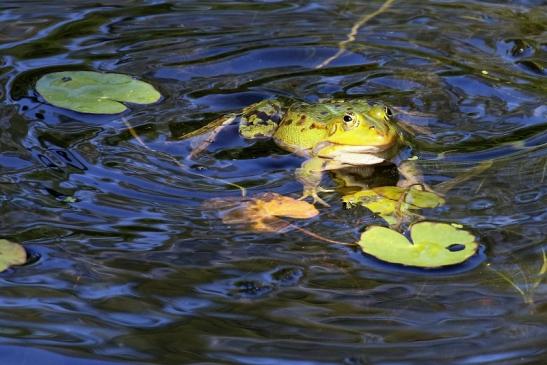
530	280
433	245
394	203
11	254
95	92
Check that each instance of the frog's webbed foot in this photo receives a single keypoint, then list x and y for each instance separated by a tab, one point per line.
310	176
312	192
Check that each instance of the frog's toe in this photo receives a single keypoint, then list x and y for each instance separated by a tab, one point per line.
313	194
323	190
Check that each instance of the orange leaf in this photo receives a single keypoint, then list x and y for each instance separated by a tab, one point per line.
262	213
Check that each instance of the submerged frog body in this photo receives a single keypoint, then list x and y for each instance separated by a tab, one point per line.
332	135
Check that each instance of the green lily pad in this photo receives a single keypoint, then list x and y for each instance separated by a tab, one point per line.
94	92
11	254
433	245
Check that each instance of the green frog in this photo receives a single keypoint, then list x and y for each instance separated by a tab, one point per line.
331	135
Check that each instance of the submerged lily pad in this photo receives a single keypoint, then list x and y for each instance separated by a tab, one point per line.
433	245
392	201
11	254
94	92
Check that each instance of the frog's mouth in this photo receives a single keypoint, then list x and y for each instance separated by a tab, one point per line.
352	155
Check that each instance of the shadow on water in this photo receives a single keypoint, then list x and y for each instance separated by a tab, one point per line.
128	267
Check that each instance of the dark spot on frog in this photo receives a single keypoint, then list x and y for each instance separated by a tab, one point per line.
317	126
66	79
302	120
324	113
262	115
288	122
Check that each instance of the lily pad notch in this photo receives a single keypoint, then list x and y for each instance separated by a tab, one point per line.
94	92
434	245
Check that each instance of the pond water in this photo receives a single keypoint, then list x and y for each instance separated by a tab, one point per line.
128	263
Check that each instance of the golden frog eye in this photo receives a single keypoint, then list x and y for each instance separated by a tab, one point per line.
350	122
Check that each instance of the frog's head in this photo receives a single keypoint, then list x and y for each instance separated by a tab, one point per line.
357	123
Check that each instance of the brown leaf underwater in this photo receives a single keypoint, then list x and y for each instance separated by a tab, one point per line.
263	213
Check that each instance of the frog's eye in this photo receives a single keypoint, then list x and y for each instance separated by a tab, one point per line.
388	112
350	121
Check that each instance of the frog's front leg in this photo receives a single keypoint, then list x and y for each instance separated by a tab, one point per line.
310	173
412	175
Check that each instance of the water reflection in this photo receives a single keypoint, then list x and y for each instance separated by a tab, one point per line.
132	268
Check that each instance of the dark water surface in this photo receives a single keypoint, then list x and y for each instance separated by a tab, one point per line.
129	267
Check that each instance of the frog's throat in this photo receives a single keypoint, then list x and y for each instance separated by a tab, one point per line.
351	155
329	146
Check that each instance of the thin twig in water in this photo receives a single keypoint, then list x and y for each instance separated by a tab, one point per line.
319	237
342	46
177	162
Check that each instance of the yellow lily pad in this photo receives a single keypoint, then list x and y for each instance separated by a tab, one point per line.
433	245
94	92
388	201
11	254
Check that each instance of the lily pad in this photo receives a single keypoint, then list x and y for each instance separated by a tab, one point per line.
391	202
94	92
11	254
433	245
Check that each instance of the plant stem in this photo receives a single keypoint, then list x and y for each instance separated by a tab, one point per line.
319	237
342	46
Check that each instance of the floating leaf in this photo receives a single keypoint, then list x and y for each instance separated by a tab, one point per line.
433	245
11	254
94	92
392	201
262	213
